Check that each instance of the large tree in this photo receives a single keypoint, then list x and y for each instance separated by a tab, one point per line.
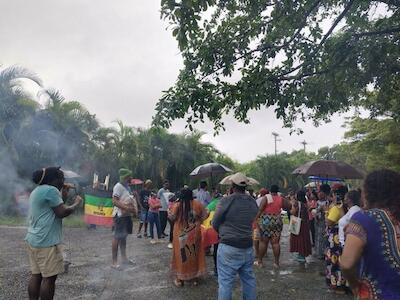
306	59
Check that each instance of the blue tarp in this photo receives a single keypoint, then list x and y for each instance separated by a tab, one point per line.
317	178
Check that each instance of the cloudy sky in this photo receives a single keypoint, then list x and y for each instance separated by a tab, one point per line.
116	57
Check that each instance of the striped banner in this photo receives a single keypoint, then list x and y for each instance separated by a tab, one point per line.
98	207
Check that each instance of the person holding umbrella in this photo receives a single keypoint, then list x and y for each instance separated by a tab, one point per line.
202	194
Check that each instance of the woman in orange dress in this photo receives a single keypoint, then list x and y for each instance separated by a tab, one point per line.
188	258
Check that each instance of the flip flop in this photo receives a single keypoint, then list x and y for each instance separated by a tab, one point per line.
128	263
178	283
258	264
116	267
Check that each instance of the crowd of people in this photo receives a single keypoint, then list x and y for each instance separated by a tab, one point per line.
356	233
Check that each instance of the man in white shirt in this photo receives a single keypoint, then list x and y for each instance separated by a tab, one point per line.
163	212
352	201
203	195
124	206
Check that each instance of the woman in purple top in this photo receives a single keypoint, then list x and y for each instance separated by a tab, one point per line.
373	240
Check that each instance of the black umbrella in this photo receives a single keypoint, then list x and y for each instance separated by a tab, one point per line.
329	168
209	170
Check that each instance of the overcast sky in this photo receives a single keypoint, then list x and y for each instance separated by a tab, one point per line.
116	57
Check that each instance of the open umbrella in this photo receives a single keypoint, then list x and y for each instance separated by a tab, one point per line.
328	168
136	181
209	170
227	181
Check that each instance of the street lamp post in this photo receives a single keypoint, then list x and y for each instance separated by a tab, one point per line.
276	135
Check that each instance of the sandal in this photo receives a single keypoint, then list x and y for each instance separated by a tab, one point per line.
258	264
128	263
116	267
178	283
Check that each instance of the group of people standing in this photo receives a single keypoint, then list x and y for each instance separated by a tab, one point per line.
356	233
357	236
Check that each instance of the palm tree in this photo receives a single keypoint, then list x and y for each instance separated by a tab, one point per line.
60	133
16	104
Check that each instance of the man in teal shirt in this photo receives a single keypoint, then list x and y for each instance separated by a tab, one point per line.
45	228
46	210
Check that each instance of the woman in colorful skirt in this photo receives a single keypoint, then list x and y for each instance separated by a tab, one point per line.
301	243
188	258
270	223
373	240
320	226
334	277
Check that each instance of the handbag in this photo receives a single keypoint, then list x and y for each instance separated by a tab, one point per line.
295	223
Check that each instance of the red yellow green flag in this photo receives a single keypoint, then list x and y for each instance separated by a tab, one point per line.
98	207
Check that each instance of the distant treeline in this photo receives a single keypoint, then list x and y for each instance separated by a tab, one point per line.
65	133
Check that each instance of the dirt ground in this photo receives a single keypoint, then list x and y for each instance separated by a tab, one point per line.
90	275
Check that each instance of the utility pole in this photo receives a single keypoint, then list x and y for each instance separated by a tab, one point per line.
304	143
276	135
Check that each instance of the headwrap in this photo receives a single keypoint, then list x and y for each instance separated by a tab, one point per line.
123	174
43	174
263	191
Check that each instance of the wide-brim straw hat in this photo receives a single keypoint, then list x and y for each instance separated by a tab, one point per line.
239	179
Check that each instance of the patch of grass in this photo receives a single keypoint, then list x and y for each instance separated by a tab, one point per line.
71	221
13	221
74	221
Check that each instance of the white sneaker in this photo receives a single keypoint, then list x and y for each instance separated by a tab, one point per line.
152	241
170	246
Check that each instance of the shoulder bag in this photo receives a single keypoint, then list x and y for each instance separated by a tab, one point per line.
295	222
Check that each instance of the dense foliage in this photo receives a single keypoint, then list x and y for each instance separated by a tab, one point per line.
64	133
307	59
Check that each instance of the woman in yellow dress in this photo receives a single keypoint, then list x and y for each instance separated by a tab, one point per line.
334	278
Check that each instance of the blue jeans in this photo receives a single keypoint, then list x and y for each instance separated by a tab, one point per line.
232	261
154	219
144	216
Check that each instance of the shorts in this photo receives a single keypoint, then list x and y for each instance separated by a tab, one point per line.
46	261
144	216
256	234
122	227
